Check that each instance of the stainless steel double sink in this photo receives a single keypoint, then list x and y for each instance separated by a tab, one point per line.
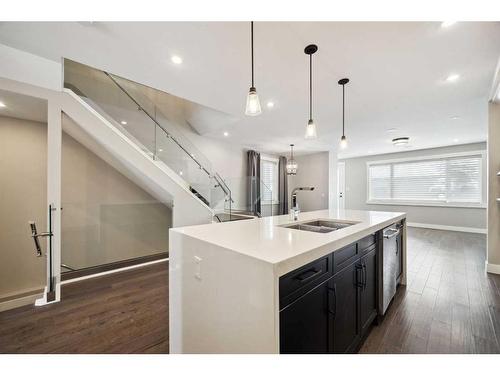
321	226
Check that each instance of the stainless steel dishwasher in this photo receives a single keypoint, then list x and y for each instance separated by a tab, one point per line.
389	266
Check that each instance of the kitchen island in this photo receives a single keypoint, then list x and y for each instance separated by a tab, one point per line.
244	286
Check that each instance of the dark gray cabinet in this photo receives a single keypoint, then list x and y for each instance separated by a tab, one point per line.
320	315
305	324
345	323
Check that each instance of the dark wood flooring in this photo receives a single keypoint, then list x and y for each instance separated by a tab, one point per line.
120	313
449	306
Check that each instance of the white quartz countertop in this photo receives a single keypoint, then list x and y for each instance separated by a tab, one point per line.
286	249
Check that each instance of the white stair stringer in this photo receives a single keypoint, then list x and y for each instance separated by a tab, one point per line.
98	134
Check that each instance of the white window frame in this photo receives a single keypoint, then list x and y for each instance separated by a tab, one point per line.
274	189
392	202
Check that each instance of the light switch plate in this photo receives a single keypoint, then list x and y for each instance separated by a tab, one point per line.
197	273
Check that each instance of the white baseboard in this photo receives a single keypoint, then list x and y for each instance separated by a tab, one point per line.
493	268
448	227
18	302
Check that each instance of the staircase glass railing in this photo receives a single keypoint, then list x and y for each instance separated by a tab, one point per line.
131	108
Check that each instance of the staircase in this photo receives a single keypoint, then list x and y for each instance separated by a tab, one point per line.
119	118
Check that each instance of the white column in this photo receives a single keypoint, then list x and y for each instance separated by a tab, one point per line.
54	144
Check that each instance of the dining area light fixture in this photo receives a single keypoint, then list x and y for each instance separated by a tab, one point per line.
311	133
253	103
291	164
343	139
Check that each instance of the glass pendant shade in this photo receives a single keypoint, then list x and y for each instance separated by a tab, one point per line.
253	103
343	142
311	130
291	164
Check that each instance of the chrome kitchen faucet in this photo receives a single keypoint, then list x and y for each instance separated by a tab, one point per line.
294	210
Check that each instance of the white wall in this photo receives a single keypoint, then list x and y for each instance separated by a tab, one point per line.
313	171
356	192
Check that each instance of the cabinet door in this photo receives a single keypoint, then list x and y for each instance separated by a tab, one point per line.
368	290
345	325
305	324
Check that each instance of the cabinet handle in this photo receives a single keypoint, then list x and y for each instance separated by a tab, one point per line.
309	274
391	233
397	246
334	290
359	280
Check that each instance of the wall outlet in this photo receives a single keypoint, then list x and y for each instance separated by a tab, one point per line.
197	272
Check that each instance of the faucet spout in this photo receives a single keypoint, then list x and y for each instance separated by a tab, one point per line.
295	205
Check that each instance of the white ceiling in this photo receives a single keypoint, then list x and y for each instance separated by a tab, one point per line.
397	73
23	107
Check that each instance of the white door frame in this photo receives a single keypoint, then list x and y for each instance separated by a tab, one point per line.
341	185
54	137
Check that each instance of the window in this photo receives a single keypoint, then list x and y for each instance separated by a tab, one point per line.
269	180
445	180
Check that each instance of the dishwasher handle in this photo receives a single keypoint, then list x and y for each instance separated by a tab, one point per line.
390	233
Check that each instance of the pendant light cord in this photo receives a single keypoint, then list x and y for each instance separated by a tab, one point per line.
310	87
251	31
343	108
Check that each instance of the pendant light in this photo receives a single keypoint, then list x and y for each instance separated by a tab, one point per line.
343	139
253	103
291	164
311	126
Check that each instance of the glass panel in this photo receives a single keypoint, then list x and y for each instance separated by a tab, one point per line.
102	94
168	114
130	107
241	204
106	217
23	195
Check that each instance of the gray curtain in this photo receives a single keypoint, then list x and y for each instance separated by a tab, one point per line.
282	187
253	174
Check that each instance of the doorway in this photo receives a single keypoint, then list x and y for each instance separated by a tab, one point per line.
24	209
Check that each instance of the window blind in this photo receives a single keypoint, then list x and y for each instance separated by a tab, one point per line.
269	175
440	180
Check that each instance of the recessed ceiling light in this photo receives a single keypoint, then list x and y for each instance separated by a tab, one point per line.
401	141
391	130
160	150
455	118
452	77
455	140
226	134
180	173
123	122
447	23
176	59
2	105
270	104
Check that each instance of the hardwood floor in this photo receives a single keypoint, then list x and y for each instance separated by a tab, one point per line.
449	306
120	313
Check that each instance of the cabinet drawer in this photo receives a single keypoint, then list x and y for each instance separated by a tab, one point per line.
367	242
345	256
299	281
